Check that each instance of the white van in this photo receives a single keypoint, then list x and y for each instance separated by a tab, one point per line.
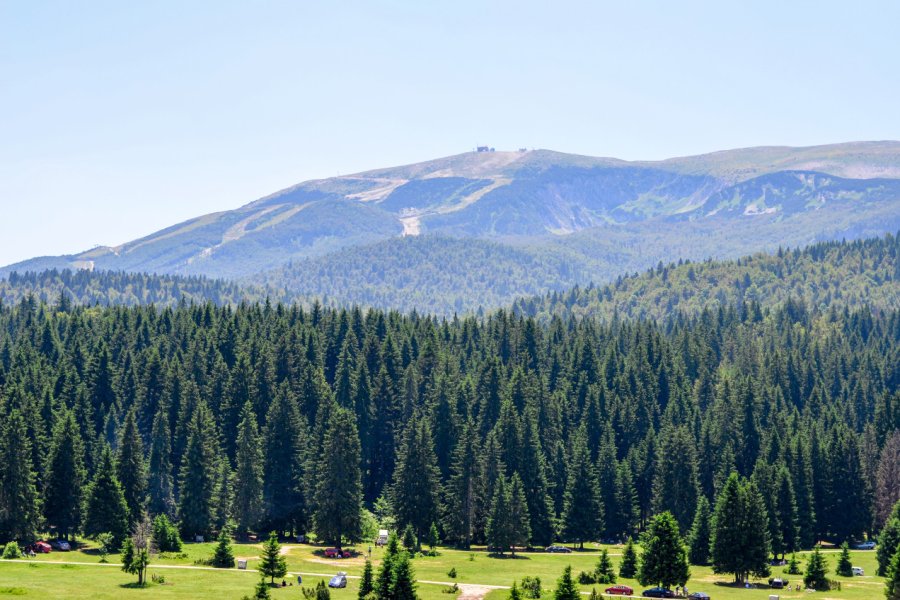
858	571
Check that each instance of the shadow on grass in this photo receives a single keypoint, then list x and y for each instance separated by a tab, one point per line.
134	585
508	556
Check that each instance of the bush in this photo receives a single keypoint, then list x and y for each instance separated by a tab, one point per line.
165	535
793	566
12	550
452	573
157	578
586	578
531	586
451	589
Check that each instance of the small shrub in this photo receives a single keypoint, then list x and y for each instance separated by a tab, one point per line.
531	586
157	578
452	573
472	557
12	550
451	589
793	566
586	578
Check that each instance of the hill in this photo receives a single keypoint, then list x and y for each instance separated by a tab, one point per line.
532	199
822	276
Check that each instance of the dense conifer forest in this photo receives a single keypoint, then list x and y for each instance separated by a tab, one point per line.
500	429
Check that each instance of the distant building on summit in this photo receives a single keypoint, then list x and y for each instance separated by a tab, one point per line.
484	149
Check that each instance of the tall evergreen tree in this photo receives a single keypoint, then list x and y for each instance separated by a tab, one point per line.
272	563
247	502
65	476
19	502
676	485
131	470
700	536
664	561
284	439
105	506
582	513
414	495
740	536
159	481
197	482
461	491
338	499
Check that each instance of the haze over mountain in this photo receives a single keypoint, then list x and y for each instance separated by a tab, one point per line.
530	221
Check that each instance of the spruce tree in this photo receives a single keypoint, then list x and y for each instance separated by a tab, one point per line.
105	507
159	471
196	507
499	526
603	572
676	485
844	564
339	484
19	501
582	518
284	439
664	560
629	567
247	501
462	490
272	564
366	583
65	476
699	537
519	519
816	576
888	541
223	557
403	582
533	472
740	533
565	587
165	534
415	489
130	468
892	584
383	582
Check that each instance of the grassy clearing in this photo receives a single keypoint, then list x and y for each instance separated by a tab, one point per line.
45	580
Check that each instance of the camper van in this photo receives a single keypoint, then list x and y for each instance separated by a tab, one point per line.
382	538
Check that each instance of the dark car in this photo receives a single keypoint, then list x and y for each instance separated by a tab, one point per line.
777	583
619	590
61	545
559	549
338	581
658	592
698	596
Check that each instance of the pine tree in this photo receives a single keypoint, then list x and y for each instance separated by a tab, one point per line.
165	534
629	567
664	560
676	485
740	535
223	557
19	502
159	481
565	587
533	472
272	564
888	541
844	564
130	468
519	519
414	493
105	507
196	507
284	438
499	530
339	484
582	511
247	502
699	537
65	476
366	583
603	572
816	576
462	489
384	581
403	583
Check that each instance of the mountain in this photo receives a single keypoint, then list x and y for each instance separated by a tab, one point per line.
531	221
829	275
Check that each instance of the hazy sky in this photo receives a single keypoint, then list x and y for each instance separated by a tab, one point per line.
120	118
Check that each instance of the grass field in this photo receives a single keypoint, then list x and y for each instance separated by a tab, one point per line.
41	578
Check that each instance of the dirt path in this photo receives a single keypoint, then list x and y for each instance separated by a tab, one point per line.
468	591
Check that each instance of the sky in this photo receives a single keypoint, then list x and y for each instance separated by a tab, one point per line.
120	118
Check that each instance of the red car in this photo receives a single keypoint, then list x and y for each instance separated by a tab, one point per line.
619	590
40	548
336	553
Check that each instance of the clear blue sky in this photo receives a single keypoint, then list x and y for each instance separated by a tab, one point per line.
120	118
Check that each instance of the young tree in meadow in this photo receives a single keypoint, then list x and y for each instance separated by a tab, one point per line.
247	501
339	484
629	567
272	564
105	507
892	584
403	579
664	560
130	468
816	576
65	476
366	583
844	564
136	550
604	572
223	557
565	587
384	580
19	501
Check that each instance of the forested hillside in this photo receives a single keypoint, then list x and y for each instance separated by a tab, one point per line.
828	274
121	288
267	413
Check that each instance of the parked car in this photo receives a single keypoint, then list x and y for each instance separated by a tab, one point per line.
858	571
338	581
40	548
777	583
870	545
61	545
559	549
698	596
336	553
658	592
619	590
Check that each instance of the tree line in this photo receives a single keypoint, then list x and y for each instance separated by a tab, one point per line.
498	430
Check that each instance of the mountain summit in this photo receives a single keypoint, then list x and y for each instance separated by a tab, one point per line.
591	218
